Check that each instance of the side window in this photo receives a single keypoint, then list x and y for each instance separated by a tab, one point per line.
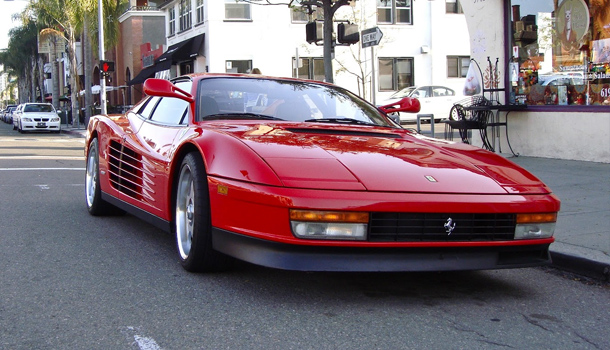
170	111
147	109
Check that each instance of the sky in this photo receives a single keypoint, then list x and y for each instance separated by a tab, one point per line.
7	9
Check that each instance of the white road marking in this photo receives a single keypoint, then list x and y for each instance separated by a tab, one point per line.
43	187
146	343
40	169
45	157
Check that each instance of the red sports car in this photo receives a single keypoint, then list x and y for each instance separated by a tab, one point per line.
304	175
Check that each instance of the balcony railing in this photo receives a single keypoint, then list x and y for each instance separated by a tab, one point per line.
142	8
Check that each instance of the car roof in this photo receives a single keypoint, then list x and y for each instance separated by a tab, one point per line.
199	76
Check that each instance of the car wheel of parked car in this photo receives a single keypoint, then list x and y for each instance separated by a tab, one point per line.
95	204
457	112
192	223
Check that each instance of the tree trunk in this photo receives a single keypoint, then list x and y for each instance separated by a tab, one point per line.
74	85
54	72
87	69
40	79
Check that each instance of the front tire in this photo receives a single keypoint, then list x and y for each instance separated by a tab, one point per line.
192	224
93	193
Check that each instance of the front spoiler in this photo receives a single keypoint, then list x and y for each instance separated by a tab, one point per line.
383	259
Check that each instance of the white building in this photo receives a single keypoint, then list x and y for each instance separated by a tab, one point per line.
423	43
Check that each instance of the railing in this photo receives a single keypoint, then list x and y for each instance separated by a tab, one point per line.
142	8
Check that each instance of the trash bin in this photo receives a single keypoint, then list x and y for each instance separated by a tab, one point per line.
63	117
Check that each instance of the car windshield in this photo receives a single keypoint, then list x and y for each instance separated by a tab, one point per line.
289	100
406	92
38	108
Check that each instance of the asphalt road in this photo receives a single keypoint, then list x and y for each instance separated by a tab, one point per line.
73	281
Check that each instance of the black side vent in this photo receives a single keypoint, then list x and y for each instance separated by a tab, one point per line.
125	170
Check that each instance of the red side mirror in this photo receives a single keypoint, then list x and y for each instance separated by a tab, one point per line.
164	88
407	104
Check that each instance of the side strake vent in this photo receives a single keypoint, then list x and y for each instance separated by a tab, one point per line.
126	170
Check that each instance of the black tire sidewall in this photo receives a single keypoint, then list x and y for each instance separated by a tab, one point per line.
202	257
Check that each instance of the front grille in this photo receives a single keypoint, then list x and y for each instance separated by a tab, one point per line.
430	227
41	119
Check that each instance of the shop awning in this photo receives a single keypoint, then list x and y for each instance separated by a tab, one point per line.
149	72
182	51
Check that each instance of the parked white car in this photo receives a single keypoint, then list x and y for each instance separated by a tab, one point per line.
36	117
436	100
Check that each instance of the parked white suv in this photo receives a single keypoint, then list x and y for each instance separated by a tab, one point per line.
36	117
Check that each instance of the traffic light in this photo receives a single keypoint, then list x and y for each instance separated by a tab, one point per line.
106	67
314	31
347	33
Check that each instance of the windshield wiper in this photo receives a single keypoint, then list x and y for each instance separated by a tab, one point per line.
340	121
237	115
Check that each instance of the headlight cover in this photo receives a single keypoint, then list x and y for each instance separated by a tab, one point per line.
535	226
27	120
309	224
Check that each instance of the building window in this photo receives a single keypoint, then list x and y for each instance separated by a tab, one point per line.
172	21
560	53
300	15
185	15
395	73
237	66
310	68
199	11
453	6
457	66
394	12
237	10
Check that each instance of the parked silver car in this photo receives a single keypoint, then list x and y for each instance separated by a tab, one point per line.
7	115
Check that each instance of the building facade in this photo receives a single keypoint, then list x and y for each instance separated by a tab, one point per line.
229	36
555	61
563	113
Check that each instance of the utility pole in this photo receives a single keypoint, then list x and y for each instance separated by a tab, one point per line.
101	39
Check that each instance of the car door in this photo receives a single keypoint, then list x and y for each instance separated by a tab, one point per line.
16	115
149	153
442	99
422	93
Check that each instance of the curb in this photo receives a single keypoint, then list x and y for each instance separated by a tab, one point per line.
581	266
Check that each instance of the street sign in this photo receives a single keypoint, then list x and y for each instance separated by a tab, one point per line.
371	37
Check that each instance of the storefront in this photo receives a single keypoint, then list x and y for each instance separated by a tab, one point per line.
555	59
177	60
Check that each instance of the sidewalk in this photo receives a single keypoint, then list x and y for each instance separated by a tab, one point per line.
582	235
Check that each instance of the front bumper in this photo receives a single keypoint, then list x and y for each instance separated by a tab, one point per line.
41	126
377	259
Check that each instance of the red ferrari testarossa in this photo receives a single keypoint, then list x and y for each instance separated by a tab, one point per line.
304	175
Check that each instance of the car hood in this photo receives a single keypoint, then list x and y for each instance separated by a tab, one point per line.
38	114
327	156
